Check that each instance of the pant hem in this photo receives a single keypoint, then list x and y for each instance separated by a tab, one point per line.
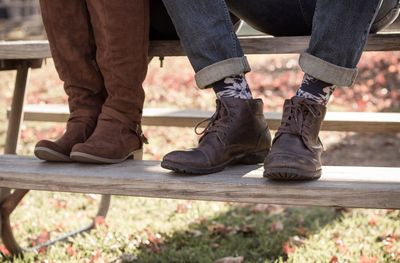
220	70
328	72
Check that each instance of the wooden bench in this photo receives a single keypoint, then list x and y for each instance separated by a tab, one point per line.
367	187
366	122
339	186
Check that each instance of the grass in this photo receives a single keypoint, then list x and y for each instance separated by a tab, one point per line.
162	230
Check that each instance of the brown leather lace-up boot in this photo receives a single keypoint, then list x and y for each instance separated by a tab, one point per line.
296	149
73	49
121	30
237	133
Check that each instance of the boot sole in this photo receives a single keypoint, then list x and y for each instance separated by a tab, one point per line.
247	159
291	174
50	155
89	158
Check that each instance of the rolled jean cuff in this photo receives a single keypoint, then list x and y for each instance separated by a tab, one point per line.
328	72
220	70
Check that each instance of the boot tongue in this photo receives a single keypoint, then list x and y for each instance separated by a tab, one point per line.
312	115
218	122
302	117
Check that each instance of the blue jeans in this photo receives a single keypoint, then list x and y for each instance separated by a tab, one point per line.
338	28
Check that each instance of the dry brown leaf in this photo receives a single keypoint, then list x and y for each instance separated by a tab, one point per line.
365	259
334	259
230	260
276	226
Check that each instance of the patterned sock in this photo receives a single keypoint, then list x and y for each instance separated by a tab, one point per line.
233	87
315	90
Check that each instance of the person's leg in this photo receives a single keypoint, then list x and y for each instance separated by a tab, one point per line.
121	33
340	30
217	56
237	131
74	53
276	17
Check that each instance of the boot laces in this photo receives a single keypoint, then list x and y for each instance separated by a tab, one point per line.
217	123
297	120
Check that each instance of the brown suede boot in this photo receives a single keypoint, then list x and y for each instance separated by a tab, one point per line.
116	139
237	133
121	30
72	45
296	149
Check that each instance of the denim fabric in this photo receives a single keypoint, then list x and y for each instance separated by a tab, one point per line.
339	30
205	30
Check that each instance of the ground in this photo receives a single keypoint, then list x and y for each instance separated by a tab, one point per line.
160	230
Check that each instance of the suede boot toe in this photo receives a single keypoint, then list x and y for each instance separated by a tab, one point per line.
79	127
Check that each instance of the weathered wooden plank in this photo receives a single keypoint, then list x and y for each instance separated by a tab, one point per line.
334	121
251	45
368	187
24	49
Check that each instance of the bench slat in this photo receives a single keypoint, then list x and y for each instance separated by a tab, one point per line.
251	45
334	121
366	187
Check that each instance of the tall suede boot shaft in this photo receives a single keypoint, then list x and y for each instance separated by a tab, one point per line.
121	30
296	149
237	133
72	44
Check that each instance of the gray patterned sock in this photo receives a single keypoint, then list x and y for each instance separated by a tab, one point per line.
315	90
233	87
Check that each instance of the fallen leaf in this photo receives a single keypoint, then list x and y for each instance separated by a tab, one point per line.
99	221
153	242
4	250
194	233
288	248
276	226
60	204
365	259
302	231
43	237
297	241
246	230
260	208
341	247
70	251
334	259
219	229
230	260
96	256
183	207
215	245
372	221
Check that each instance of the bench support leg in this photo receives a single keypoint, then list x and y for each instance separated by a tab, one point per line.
16	109
7	207
10	201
